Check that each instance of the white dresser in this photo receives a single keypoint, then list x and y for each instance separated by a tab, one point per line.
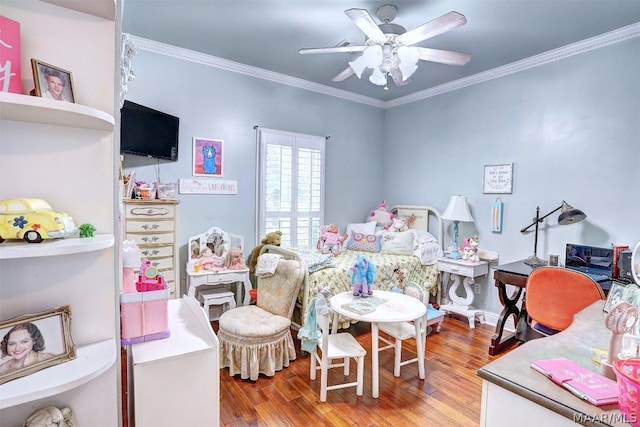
153	226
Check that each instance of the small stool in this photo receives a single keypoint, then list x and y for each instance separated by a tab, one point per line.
217	297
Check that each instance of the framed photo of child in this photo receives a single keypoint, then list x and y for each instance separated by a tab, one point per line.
52	82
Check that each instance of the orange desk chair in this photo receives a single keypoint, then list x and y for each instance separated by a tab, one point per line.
555	294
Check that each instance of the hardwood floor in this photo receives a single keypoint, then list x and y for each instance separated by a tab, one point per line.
449	396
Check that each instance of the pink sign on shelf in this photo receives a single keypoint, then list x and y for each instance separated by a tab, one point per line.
10	76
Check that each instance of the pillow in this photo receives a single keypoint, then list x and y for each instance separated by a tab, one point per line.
364	242
398	243
362	227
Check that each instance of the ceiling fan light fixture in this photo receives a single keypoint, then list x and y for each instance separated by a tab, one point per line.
373	56
358	65
378	77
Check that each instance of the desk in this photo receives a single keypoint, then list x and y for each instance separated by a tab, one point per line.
469	270
515	274
395	307
513	394
211	278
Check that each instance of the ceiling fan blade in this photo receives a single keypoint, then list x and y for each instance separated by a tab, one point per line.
396	75
340	49
367	25
343	75
440	25
443	56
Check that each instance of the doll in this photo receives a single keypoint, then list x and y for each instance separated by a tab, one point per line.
363	274
209	261
331	240
233	259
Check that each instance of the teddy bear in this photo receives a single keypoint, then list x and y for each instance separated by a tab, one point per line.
331	240
381	215
272	238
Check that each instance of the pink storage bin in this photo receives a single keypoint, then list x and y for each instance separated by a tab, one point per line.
628	375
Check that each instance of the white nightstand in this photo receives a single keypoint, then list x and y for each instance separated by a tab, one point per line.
468	270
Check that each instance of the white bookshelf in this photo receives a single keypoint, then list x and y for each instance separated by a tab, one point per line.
65	153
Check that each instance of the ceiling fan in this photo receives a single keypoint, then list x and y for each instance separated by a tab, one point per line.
388	49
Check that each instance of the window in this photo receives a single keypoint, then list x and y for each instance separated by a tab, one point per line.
291	186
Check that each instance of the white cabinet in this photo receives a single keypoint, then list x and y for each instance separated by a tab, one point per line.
152	224
65	153
176	380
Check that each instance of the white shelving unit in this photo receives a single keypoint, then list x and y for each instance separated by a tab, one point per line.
66	154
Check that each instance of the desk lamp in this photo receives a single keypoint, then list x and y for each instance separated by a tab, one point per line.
569	215
457	211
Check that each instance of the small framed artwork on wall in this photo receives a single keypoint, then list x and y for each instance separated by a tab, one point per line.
208	157
52	82
498	179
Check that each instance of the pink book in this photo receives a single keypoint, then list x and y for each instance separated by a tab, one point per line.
580	381
10	73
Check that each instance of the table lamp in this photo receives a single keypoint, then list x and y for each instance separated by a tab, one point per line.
457	211
569	215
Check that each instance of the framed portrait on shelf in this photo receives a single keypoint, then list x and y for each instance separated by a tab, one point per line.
208	157
52	82
33	342
498	179
621	291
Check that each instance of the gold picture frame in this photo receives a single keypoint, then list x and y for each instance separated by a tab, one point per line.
52	82
47	335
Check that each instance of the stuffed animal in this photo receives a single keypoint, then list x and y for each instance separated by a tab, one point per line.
331	240
381	215
272	238
398	225
51	417
469	249
363	274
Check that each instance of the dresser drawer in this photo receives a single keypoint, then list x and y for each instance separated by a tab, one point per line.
161	264
151	238
150	225
149	211
156	251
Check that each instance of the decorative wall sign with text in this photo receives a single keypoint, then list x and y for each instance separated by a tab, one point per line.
498	179
208	186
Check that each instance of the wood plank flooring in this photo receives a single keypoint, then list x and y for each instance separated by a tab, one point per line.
449	396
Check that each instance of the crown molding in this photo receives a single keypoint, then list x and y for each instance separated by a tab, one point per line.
606	39
236	67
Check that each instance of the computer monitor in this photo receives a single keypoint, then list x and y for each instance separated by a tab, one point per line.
589	259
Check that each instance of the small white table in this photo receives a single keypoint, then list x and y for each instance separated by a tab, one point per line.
469	270
211	278
394	307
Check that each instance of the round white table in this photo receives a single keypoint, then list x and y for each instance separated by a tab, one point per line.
389	307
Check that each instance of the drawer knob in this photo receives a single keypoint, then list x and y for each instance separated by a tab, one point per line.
150	239
150	226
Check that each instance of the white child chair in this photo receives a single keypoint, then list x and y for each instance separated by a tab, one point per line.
336	346
399	331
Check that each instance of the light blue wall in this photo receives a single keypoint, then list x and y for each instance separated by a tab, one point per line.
219	104
572	130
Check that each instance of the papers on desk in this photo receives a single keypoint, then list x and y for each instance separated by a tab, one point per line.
580	381
360	307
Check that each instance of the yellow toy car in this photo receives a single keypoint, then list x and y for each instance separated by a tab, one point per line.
33	220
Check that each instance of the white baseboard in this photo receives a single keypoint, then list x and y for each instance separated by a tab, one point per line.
492	319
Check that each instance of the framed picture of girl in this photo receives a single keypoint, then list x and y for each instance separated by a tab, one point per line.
33	342
52	82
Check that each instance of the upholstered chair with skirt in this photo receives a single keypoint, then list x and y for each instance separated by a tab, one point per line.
256	339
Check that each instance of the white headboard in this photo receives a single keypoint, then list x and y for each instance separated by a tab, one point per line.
426	218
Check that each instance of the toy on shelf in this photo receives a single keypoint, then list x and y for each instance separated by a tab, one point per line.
33	220
363	274
87	230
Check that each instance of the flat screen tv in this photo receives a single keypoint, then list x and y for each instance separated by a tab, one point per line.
148	132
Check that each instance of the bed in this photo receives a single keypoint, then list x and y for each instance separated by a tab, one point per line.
420	264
